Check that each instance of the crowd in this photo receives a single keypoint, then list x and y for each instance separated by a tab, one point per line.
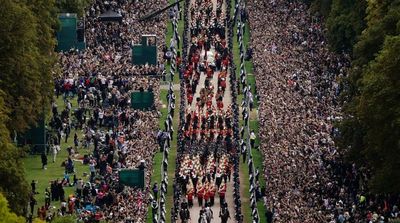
101	79
298	84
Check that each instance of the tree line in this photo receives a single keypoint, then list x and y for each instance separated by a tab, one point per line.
370	130
27	60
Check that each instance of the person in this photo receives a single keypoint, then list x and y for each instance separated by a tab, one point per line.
155	190
212	192
79	187
185	215
92	168
47	198
200	195
202	216
252	139
154	208
224	213
42	213
55	150
269	215
76	141
257	174
190	194
244	153
32	203
222	191
33	186
67	131
251	100
44	161
209	213
63	207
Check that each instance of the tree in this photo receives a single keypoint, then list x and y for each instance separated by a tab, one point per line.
27	59
321	6
25	62
379	111
382	19
13	184
19	64
370	128
47	22
6	216
345	23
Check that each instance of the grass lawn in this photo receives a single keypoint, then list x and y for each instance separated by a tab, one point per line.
254	125
34	171
157	160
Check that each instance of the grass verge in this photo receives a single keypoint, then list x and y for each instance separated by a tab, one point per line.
157	160
254	125
34	171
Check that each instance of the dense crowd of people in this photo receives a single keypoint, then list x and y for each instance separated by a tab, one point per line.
101	79
298	84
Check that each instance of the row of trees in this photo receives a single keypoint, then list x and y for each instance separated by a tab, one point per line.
27	61
370	32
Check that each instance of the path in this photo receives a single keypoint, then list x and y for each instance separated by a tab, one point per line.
227	101
195	210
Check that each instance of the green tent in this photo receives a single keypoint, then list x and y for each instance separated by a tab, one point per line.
131	177
34	137
146	52
142	100
67	37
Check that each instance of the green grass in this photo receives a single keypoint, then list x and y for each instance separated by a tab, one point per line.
34	171
157	160
254	125
168	37
158	157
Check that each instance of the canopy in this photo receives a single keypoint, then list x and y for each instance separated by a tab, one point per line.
111	16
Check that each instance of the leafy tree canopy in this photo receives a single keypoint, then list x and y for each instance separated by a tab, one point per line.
6	216
26	59
379	110
13	184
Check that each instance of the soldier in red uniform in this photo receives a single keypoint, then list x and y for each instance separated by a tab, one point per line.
220	104
190	99
213	190
206	194
209	72
200	194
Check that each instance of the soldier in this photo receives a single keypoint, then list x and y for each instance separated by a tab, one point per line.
222	191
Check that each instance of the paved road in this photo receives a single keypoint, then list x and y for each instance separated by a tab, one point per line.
195	210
